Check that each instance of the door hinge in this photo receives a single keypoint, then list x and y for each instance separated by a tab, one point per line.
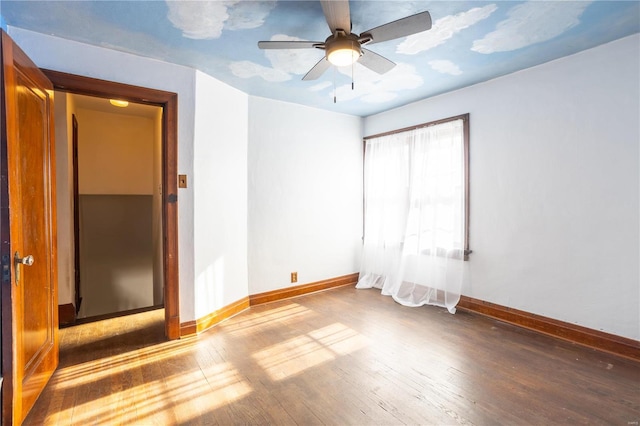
6	268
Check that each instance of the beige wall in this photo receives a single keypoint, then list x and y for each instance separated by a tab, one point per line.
64	108
115	153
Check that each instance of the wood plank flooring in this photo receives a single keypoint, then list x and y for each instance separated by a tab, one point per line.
340	357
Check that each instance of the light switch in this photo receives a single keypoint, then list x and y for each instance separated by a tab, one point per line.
182	181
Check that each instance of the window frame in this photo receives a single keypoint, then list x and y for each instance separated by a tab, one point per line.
465	135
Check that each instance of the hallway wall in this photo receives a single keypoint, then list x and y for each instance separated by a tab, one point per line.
115	168
64	108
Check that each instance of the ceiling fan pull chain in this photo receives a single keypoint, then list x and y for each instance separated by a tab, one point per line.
334	85
352	65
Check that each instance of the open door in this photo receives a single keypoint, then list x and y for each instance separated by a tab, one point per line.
27	233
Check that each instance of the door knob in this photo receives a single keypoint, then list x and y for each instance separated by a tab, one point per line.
27	260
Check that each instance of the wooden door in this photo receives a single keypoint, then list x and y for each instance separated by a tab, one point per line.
28	223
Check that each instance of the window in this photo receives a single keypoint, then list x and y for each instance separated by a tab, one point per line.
417	189
416	200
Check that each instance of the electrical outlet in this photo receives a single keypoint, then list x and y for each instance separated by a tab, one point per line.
294	277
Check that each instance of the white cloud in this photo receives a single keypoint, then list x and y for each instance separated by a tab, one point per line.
371	87
445	67
294	61
530	23
320	86
247	14
198	19
248	69
207	19
443	29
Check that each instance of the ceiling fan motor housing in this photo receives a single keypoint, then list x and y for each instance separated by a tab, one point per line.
342	49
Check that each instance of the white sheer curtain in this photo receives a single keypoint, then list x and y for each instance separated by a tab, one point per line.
414	224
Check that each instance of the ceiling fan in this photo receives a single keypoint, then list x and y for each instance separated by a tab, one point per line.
343	47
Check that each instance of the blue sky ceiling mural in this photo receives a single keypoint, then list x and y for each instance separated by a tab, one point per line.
469	42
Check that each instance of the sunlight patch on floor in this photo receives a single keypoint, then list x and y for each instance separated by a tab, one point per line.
105	328
191	392
88	372
340	339
297	354
247	325
226	383
144	402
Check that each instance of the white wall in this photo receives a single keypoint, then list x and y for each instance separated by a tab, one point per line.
305	194
554	154
91	61
219	182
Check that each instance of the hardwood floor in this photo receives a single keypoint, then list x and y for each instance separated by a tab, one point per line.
343	356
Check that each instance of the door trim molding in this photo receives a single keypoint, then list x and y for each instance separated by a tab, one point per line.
169	103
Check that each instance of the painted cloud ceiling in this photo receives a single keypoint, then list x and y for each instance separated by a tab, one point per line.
470	41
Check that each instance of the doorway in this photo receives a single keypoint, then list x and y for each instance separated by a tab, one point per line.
167	101
117	205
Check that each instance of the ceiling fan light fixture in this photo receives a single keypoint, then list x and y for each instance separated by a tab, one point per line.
343	51
118	103
343	57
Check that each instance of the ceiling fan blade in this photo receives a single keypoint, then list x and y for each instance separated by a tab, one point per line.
317	70
401	28
375	62
289	44
337	14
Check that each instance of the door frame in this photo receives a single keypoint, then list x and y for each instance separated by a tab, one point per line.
169	102
76	213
